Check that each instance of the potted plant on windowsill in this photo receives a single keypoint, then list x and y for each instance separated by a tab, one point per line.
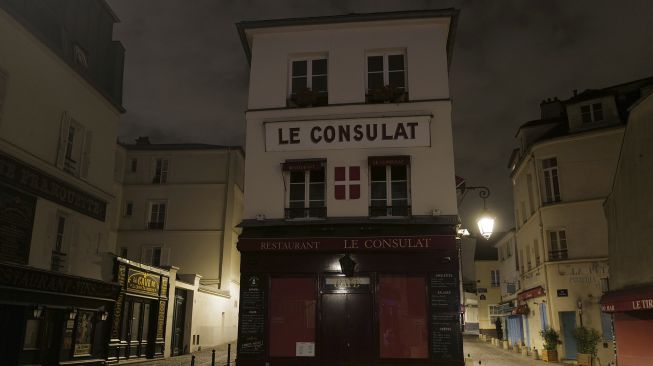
387	94
551	339
304	98
587	341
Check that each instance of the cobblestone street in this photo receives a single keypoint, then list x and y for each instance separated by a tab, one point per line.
490	355
202	358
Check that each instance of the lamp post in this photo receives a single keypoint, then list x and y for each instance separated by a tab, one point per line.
486	221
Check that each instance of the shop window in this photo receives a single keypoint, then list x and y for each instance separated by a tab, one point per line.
160	171
347	183
386	77
551	183
557	245
389	186
157	215
308	82
402	317
292	314
305	195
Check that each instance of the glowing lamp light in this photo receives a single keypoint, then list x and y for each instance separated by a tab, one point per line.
486	225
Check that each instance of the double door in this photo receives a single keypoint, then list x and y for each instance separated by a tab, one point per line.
138	326
346	337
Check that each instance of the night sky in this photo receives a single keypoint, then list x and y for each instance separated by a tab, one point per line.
186	73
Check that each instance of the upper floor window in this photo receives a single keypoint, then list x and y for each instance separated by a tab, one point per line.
62	235
161	171
521	260
591	112
80	56
155	255
386	77
157	215
74	147
133	165
528	258
308	82
389	186
495	281
551	184
509	249
129	208
536	252
557	245
305	197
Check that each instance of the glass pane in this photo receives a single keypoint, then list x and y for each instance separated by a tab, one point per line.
375	80
316	191
378	202
317	176
319	83
297	192
378	173
296	204
316	204
375	63
320	67
399	203
292	314
136	321
299	68
398	172
297	177
395	62
378	190
396	79
124	330
146	322
298	84
402	317
399	190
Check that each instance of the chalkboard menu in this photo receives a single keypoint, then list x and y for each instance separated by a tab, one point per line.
251	321
444	301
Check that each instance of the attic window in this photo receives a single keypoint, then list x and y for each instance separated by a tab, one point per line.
592	112
80	56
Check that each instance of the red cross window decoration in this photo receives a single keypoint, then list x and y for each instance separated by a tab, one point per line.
347	182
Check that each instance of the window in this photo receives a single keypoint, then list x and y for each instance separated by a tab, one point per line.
493	312
134	165
80	56
74	151
157	215
344	181
123	252
524	215
58	261
591	112
509	248
521	260
389	187
557	245
129	208
528	258
306	189
536	252
551	185
544	323
292	314
161	171
495	281
502	257
308	82
155	255
402	317
606	326
386	77
531	200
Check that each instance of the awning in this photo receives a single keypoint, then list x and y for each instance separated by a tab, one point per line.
632	299
303	164
531	293
389	160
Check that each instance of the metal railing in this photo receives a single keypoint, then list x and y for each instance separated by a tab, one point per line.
70	165
58	261
557	255
384	211
306	213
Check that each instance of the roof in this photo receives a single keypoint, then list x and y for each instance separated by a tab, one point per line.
485	250
539	122
183	146
452	13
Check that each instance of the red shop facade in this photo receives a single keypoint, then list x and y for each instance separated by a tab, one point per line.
349	292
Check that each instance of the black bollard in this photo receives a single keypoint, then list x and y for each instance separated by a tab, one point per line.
213	358
228	354
192	361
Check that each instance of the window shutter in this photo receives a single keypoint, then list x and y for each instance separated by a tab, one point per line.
63	136
146	254
86	154
165	256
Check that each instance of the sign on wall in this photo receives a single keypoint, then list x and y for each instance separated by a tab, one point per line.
142	282
356	133
252	318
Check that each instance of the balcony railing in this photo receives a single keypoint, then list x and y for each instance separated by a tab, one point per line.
58	261
306	213
384	211
558	255
70	165
155	225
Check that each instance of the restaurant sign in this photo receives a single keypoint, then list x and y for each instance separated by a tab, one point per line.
531	294
348	133
384	243
142	282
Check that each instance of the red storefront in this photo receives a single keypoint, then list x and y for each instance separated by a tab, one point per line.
349	292
632	311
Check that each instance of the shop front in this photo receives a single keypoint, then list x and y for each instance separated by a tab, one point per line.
139	319
632	311
349	293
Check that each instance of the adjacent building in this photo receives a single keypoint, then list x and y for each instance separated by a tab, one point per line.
60	104
179	208
628	211
488	283
562	172
350	211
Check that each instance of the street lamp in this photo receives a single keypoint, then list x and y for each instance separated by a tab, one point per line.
486	221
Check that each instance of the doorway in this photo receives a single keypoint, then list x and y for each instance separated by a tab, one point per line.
346	329
179	322
568	324
137	326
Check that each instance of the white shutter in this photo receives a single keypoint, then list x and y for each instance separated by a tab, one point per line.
63	138
146	254
86	154
165	256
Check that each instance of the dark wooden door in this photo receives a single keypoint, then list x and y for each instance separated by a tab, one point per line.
346	330
179	322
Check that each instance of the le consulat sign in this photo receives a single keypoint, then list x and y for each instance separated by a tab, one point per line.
348	133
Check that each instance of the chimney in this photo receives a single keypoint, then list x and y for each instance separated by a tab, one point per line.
143	140
551	108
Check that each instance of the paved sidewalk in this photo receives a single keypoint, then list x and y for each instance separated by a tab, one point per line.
489	355
202	358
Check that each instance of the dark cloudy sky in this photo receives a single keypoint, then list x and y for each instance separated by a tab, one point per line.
186	74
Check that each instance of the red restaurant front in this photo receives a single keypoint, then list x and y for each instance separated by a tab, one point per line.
633	324
349	293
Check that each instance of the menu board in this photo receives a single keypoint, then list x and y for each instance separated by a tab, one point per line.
444	301
253	310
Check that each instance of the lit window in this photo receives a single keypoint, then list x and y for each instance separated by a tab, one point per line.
308	82
386	78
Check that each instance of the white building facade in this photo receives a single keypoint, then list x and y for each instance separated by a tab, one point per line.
349	164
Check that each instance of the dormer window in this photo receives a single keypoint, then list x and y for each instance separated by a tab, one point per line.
591	112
